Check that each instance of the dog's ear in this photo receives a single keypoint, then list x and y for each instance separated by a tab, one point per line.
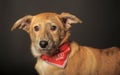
68	19
23	23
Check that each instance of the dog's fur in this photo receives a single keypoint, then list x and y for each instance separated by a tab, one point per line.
82	60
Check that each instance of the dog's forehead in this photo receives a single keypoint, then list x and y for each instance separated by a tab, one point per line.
44	17
46	14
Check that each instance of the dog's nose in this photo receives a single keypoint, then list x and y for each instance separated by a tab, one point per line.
43	44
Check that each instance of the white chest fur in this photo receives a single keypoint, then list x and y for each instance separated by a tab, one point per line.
43	68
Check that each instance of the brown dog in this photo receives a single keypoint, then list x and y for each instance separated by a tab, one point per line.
56	55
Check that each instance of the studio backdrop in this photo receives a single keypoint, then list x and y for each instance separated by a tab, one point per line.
100	28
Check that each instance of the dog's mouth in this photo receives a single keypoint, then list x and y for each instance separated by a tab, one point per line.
50	49
49	52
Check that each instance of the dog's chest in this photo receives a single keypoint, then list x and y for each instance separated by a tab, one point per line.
43	68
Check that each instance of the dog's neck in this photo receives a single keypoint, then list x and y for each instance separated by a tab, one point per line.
59	59
67	35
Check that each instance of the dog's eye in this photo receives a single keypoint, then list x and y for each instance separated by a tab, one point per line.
36	28
53	28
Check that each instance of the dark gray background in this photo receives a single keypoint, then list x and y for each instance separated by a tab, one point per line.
101	28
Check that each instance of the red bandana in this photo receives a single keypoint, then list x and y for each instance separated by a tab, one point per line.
59	59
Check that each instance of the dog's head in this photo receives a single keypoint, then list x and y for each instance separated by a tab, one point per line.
47	31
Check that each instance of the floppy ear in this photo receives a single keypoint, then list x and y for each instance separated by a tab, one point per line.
23	23
69	19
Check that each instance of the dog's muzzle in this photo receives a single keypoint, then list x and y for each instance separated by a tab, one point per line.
43	44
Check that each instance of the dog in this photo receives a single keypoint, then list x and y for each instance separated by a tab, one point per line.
57	55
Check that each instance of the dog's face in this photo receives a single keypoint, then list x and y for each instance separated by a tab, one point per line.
47	31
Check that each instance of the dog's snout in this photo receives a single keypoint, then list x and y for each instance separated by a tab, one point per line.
43	44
